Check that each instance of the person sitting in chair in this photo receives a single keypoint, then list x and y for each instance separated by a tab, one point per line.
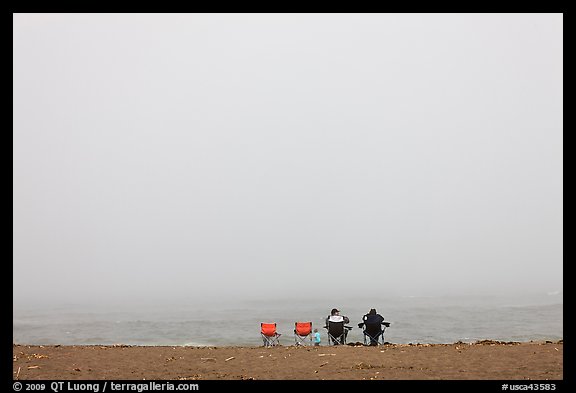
335	317
373	325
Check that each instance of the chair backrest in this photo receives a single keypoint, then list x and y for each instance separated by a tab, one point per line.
336	329
372	328
303	328
268	329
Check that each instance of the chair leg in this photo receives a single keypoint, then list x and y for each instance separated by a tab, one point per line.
340	340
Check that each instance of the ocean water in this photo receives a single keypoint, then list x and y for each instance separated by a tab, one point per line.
413	320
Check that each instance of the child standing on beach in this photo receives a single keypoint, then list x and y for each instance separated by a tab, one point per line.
316	338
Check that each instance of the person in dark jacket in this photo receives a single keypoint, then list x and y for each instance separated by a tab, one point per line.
373	325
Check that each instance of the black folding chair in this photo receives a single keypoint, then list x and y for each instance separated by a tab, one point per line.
374	333
337	332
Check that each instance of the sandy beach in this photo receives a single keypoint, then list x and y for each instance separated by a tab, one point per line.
483	360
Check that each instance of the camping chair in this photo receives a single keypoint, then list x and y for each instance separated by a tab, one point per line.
374	333
302	332
269	334
337	332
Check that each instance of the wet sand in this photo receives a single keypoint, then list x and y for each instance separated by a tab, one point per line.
484	360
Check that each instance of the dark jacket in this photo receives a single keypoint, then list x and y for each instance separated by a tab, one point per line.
373	319
372	323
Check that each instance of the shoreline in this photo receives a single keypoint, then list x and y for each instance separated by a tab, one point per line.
481	360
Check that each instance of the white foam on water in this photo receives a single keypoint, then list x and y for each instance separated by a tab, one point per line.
195	344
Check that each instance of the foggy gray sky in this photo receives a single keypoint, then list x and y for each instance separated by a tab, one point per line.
184	155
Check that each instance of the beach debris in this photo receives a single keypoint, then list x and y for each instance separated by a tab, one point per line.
18	373
362	366
494	342
208	359
29	356
33	367
192	378
77	369
323	364
556	348
261	356
326	354
230	358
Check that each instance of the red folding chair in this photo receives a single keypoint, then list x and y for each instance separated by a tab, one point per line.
303	333
269	334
